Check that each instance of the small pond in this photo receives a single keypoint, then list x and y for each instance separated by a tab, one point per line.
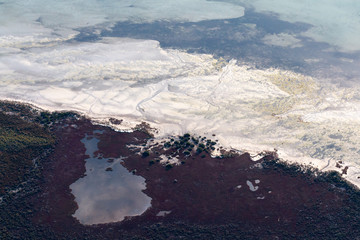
108	192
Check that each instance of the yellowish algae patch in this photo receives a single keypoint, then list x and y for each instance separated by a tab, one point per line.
300	90
277	106
292	83
219	63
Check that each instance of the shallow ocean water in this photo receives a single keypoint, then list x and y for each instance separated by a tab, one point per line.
258	74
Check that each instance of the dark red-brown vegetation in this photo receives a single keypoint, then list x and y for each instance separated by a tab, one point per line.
203	193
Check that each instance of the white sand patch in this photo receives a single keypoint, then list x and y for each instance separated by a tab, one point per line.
251	186
256	157
163	213
256	165
165	160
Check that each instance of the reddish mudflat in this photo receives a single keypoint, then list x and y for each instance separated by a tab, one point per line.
200	196
208	190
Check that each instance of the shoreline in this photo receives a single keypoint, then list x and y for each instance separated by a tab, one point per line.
128	124
190	189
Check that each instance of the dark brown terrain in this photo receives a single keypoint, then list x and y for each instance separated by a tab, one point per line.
205	197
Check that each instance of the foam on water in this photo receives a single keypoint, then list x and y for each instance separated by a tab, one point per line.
248	109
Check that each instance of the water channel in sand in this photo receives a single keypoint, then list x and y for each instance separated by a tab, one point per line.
108	192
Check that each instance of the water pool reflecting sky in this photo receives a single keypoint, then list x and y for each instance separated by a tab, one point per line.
108	192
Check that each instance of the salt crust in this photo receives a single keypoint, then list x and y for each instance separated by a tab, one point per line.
248	109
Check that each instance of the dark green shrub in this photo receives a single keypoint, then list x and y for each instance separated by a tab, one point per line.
145	154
